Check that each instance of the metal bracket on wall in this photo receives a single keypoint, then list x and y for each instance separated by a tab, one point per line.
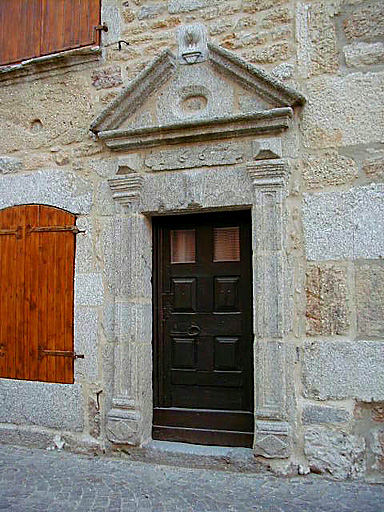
102	27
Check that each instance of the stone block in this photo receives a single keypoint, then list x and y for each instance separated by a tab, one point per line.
317	414
178	6
363	54
328	169
328	311
89	289
378	413
270	54
343	369
40	403
86	342
56	188
150	11
374	166
107	78
370	300
376	445
10	164
343	111
252	6
365	22
40	113
345	225
322	41
84	260
335	453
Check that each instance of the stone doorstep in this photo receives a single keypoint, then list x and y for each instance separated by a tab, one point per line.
195	456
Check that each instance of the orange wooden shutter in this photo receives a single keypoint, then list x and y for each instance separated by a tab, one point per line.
32	28
20	28
37	251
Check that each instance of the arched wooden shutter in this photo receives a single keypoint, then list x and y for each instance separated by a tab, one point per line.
32	28
37	251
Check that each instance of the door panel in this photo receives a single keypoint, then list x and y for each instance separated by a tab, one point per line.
203	329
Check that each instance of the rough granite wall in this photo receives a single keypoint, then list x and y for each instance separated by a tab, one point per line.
331	51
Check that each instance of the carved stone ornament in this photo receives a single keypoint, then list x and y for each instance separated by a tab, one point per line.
272	439
126	188
195	103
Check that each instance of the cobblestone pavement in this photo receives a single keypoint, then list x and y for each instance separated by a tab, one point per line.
37	480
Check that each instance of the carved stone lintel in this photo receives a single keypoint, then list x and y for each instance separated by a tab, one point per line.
126	189
269	172
272	439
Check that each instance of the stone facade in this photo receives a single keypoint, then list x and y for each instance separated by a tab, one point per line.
282	112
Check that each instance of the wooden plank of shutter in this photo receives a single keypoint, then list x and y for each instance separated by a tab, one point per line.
55	288
68	24
20	24
11	293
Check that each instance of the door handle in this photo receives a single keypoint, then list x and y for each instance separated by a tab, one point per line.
193	330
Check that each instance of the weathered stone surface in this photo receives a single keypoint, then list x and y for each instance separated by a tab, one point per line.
107	78
86	342
345	225
56	188
150	11
270	54
89	289
41	403
84	260
374	166
378	413
177	6
335	453
365	21
320	414
39	113
376	439
200	156
363	54
344	110
370	300
328	310
253	6
328	169
10	164
343	369
322	40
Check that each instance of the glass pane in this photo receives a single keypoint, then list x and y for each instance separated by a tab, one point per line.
183	246
226	244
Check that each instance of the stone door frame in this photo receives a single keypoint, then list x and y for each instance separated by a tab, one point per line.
261	186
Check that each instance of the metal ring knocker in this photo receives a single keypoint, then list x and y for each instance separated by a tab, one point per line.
193	330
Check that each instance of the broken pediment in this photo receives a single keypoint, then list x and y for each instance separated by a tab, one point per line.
204	93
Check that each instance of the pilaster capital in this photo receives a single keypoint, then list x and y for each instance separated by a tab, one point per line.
126	189
271	172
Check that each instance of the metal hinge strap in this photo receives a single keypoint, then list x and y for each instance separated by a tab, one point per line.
62	353
53	229
17	232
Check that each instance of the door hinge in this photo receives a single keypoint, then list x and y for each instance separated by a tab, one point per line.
62	353
53	229
102	27
17	232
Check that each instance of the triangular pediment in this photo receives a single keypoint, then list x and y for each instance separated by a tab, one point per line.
172	101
